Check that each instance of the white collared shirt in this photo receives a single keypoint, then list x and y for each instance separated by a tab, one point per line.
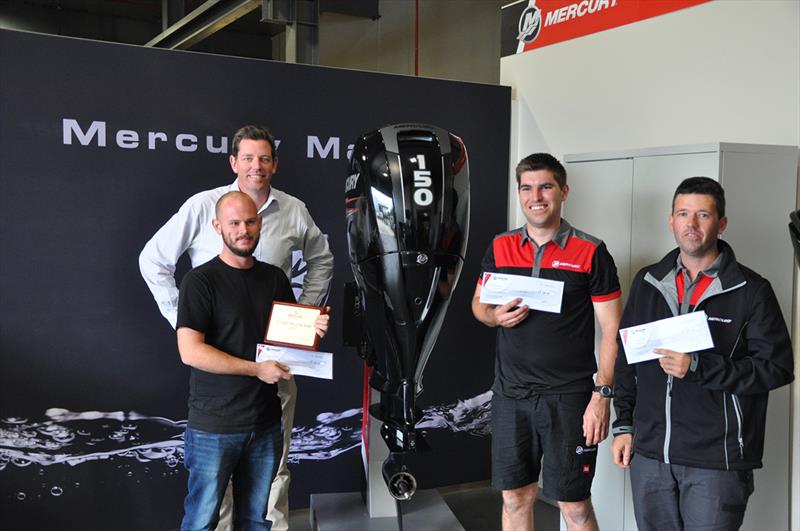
286	228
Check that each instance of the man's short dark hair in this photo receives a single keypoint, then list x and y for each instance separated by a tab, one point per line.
704	186
252	132
543	161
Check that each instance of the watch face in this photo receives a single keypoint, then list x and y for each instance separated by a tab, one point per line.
604	390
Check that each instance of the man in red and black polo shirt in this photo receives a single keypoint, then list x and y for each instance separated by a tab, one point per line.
545	401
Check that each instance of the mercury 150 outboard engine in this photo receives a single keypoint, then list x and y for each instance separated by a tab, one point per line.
407	205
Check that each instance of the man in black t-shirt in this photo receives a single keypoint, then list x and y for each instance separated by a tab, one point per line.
234	427
545	403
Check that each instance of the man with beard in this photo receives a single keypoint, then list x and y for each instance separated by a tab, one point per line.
695	421
233	430
286	227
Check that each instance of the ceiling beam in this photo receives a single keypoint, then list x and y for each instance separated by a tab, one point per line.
205	20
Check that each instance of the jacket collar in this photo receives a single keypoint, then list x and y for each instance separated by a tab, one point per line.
729	272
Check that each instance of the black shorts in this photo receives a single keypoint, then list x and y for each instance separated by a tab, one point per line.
550	426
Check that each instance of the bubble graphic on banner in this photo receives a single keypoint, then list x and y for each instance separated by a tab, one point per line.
133	443
470	416
337	433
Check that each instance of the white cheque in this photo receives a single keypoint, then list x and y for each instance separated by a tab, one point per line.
300	362
537	293
684	333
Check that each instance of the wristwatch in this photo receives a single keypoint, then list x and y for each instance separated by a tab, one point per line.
605	391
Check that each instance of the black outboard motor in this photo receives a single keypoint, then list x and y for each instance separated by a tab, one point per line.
407	204
794	233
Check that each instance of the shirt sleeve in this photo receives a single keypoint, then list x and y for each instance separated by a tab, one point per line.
318	257
160	255
487	264
625	374
769	363
195	303
604	283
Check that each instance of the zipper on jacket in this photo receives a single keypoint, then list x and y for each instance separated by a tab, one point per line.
668	418
738	409
668	400
725	439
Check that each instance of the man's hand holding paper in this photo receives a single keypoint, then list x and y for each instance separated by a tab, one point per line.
511	313
674	363
272	372
298	362
322	321
670	338
535	293
293	325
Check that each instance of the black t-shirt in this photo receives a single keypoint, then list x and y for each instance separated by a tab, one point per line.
552	352
231	307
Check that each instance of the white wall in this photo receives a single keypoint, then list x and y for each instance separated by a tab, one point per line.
728	70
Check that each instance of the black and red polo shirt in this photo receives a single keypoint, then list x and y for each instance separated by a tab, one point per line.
552	352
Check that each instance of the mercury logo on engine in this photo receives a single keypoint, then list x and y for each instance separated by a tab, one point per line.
351	183
422	183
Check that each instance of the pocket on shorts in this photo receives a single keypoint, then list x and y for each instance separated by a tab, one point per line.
579	463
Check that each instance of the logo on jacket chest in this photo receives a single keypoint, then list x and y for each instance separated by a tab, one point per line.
724	320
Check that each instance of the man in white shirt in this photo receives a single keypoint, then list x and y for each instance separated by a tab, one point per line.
286	227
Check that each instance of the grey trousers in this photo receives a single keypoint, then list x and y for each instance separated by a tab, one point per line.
668	497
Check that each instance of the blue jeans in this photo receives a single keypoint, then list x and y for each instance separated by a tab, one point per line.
212	458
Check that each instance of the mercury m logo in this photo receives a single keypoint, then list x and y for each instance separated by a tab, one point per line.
530	23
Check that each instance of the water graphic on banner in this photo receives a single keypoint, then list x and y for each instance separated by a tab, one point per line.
141	446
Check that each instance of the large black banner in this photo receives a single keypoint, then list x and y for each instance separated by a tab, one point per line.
99	145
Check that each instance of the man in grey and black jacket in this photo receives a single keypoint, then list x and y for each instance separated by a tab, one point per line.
695	421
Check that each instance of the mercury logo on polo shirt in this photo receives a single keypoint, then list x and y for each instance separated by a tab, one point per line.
558	264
